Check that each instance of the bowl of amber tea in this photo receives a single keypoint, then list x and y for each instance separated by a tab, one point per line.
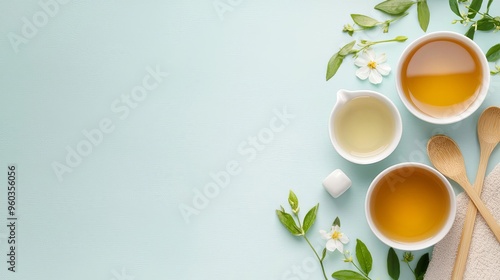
365	126
442	77
410	206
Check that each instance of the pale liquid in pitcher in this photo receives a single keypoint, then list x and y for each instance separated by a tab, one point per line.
364	126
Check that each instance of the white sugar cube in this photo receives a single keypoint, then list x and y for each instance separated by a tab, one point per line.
337	183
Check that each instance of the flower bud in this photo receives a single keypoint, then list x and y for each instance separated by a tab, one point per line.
407	257
400	38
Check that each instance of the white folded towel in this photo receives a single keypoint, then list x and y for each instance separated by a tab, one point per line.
484	255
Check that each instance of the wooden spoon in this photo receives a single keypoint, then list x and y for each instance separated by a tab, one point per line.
488	132
445	154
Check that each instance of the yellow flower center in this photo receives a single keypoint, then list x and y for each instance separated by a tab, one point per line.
372	64
335	235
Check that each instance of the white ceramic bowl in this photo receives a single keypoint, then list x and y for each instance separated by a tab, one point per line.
403	170
462	114
343	96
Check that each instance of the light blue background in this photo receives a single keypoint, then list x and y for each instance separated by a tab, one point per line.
116	215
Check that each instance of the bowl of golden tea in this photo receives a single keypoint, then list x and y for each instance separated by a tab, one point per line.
365	126
410	206
442	77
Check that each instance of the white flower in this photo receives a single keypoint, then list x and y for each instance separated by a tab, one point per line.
372	66
336	239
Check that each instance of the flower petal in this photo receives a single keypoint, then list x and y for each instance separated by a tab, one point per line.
375	77
383	69
381	58
339	246
324	235
330	245
343	238
363	72
371	54
362	60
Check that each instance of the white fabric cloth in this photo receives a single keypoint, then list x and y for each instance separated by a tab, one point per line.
484	255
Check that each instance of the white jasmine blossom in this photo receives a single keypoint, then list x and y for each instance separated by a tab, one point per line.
372	66
335	239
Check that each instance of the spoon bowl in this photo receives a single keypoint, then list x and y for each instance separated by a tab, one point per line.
446	156
488	129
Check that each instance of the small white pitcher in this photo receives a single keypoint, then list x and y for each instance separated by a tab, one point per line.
344	97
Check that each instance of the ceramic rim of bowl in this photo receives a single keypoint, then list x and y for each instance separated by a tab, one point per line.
418	245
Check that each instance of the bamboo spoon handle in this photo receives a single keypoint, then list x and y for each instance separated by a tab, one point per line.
487	216
470	218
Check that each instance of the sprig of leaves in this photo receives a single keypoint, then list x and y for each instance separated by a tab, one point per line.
298	228
288	221
393	266
363	256
398	7
487	22
337	58
365	261
366	22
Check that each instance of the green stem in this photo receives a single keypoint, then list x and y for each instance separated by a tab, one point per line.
361	271
312	248
386	41
367	44
496	71
317	256
298	219
412	271
399	17
478	12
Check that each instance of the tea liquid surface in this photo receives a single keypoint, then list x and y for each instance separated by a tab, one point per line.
407	208
442	78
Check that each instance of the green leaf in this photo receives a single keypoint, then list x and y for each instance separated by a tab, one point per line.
336	222
394	7
485	24
474	7
493	53
293	201
289	223
421	267
334	65
323	255
364	21
424	15
347	48
310	218
488	6
454	7
364	257
470	32
393	267
337	59
348	275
